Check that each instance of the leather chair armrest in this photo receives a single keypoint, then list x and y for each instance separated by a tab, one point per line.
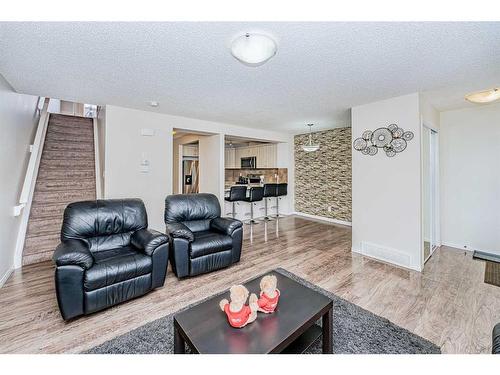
225	225
495	347
179	230
148	240
73	253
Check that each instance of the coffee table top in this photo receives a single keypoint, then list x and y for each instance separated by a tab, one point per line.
206	329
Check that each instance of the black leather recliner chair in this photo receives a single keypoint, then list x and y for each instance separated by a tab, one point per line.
202	241
495	347
107	256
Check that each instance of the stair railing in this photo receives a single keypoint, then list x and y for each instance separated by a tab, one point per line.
24	206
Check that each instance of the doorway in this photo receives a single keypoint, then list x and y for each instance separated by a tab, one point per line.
430	192
190	168
198	161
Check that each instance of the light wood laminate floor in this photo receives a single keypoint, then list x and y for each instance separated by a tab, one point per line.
447	304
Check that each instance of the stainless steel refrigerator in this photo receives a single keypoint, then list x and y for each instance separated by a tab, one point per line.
190	175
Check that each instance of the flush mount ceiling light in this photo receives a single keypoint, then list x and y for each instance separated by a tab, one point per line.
253	49
486	96
153	103
310	147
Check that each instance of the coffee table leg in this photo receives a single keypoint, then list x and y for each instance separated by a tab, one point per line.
179	347
328	331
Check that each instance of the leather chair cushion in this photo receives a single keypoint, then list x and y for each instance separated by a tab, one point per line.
102	298
198	225
211	262
225	225
180	208
107	242
148	240
179	230
73	253
207	242
104	224
116	265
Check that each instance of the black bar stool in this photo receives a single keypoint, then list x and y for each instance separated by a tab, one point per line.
281	191
236	194
255	195
270	191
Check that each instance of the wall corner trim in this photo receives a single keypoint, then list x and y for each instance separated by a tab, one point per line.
6	276
322	218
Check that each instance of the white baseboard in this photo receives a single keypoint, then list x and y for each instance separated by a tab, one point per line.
453	245
461	247
387	255
5	277
322	218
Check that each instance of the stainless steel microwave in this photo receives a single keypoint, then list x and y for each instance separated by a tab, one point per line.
250	162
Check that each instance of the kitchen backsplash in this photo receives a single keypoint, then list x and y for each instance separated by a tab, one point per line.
323	178
231	175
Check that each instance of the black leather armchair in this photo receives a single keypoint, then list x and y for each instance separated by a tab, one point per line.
495	347
107	256
202	241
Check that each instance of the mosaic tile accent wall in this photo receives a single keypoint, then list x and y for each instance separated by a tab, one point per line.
323	177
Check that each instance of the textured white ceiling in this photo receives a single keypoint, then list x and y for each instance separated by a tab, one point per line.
319	72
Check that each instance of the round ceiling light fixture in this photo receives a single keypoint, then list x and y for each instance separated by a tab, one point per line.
486	96
253	49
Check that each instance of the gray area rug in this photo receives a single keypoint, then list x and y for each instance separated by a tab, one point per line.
355	331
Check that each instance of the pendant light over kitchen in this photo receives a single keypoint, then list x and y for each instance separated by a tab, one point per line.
310	147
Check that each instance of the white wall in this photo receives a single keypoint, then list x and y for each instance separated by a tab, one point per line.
429	114
124	152
386	194
285	158
470	178
211	165
125	145
17	126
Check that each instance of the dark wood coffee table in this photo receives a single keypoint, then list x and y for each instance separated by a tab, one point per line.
291	328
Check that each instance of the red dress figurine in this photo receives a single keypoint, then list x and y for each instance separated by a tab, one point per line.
269	294
238	313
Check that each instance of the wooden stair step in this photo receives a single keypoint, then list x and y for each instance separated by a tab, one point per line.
67	164
55	174
44	226
38	257
65	184
47	242
84	131
69	146
42	211
60	137
68	196
68	120
66	154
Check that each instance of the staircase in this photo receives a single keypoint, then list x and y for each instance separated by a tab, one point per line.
66	174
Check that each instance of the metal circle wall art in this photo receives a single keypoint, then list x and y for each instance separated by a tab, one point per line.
360	144
391	139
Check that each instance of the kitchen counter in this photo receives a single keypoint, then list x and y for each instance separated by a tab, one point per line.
270	175
228	187
252	169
